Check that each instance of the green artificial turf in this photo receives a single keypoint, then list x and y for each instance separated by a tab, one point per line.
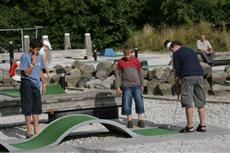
153	131
52	89
59	128
51	134
10	92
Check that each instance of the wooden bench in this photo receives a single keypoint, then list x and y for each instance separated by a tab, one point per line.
102	104
220	58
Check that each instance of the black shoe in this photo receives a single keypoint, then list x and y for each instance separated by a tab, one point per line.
29	136
130	124
211	64
141	124
201	128
187	129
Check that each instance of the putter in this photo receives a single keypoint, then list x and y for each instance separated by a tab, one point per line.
174	116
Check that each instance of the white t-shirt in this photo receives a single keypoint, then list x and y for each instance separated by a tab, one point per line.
41	51
203	45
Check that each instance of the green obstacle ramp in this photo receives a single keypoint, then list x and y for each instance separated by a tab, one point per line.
57	130
51	89
51	135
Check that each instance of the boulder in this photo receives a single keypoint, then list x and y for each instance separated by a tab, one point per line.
7	80
219	77
92	83
82	81
207	86
151	86
87	70
207	69
4	74
59	69
146	74
77	64
67	69
164	89
106	65
221	90
73	78
103	73
160	73
108	82
227	70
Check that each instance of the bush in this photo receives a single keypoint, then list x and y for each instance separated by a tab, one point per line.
151	39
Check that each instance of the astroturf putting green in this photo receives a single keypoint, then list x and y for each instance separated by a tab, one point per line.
10	92
52	89
153	131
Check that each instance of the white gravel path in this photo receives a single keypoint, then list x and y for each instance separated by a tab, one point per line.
157	112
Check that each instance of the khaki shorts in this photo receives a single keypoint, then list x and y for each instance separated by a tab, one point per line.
192	92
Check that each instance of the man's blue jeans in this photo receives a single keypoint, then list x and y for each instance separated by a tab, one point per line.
127	94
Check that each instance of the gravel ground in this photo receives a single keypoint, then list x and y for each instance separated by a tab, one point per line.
157	112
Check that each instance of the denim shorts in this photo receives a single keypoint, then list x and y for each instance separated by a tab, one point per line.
129	93
30	98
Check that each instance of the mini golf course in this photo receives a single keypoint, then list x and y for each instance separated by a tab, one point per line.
57	130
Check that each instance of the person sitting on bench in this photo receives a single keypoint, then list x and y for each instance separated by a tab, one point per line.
205	49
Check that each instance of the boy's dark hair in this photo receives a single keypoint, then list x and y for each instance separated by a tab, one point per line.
126	47
35	43
176	43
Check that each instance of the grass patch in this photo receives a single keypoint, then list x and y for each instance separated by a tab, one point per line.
53	89
154	131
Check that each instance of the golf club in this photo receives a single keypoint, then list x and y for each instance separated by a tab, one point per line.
174	116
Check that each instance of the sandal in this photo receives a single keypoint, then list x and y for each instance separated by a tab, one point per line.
29	136
187	129
201	128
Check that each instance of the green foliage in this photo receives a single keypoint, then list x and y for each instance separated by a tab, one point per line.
151	39
110	22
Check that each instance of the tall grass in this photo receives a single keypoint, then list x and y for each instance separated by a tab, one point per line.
151	39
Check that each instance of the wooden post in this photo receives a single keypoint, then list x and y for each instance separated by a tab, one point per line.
22	41
26	43
67	44
11	51
45	37
88	46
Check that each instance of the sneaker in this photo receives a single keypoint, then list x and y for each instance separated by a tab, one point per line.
141	123
201	128
130	124
187	129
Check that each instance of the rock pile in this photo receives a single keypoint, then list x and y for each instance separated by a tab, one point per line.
159	81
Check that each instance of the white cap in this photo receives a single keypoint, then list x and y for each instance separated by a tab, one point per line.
47	43
18	63
168	45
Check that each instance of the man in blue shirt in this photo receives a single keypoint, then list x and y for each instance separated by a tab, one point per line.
31	65
189	74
